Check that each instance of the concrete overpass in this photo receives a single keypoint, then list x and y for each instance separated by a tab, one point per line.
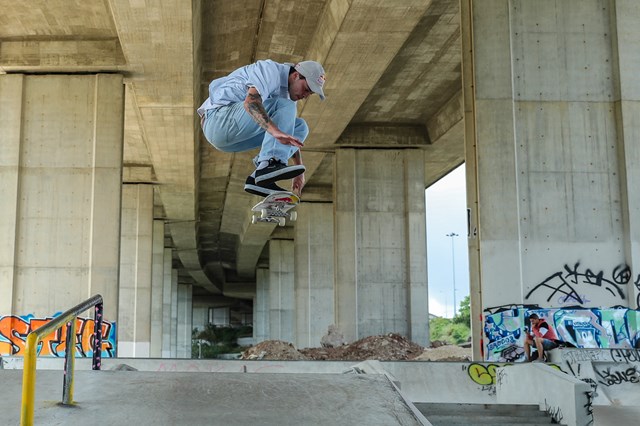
111	188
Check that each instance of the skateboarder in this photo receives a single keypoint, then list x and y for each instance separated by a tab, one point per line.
255	107
542	337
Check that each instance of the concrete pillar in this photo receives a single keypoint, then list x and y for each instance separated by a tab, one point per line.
626	37
381	280
281	290
471	165
134	320
314	273
555	111
261	306
166	304
174	313
60	183
157	288
184	323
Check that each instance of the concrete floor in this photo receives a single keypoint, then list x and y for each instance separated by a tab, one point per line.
142	398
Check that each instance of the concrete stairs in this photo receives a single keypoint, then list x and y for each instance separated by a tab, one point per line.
441	414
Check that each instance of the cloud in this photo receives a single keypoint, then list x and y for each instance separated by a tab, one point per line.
438	308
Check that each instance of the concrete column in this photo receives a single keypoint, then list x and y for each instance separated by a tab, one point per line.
471	165
261	306
626	38
557	153
415	228
134	321
184	321
314	273
174	313
157	288
60	174
380	244
166	304
11	110
281	290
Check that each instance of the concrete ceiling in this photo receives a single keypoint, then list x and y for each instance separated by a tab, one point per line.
393	81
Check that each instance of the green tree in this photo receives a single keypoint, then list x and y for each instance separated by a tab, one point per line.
453	331
464	313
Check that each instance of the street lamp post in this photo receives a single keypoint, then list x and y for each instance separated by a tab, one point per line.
453	270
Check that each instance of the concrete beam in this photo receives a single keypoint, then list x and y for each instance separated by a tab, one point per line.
240	290
383	136
184	234
250	247
138	174
61	55
449	116
370	44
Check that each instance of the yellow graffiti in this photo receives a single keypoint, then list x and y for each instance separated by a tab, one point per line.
485	375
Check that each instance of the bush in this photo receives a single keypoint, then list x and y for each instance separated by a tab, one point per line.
218	340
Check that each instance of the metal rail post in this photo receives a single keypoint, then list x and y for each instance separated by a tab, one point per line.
31	348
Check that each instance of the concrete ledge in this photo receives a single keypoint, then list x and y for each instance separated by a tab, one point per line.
376	367
567	399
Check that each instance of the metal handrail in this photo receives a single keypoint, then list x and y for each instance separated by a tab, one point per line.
31	348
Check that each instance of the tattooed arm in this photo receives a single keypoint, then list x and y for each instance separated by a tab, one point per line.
254	107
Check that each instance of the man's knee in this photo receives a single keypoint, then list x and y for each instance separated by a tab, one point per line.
301	130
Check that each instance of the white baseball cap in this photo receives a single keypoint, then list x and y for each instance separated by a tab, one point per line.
313	72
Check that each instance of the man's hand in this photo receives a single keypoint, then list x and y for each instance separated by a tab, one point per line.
285	138
298	184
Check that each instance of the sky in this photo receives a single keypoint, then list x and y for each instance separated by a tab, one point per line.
446	207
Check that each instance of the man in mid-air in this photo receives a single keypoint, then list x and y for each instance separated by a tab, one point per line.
255	107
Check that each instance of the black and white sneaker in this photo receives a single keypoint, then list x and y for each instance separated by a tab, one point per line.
277	170
263	189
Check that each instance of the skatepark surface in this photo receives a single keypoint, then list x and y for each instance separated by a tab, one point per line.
195	392
141	398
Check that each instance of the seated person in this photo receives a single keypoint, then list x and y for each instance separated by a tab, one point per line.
542	336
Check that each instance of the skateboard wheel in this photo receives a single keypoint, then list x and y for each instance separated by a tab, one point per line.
254	219
281	221
293	216
263	214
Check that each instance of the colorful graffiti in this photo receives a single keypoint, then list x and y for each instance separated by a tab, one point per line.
504	330
14	330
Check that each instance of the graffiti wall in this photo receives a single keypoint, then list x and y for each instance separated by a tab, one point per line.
14	330
577	284
604	328
613	374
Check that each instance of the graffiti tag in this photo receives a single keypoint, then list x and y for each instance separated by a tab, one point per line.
554	412
14	331
563	282
483	374
610	378
625	355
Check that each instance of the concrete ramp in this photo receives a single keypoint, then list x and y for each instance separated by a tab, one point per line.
142	398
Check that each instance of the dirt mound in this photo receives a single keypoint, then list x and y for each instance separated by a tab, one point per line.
273	350
388	347
384	348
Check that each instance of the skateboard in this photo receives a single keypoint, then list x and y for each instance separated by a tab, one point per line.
275	208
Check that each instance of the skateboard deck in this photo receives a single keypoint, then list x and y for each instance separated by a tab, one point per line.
276	208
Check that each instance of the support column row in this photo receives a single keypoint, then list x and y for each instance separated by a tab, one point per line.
358	263
155	311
